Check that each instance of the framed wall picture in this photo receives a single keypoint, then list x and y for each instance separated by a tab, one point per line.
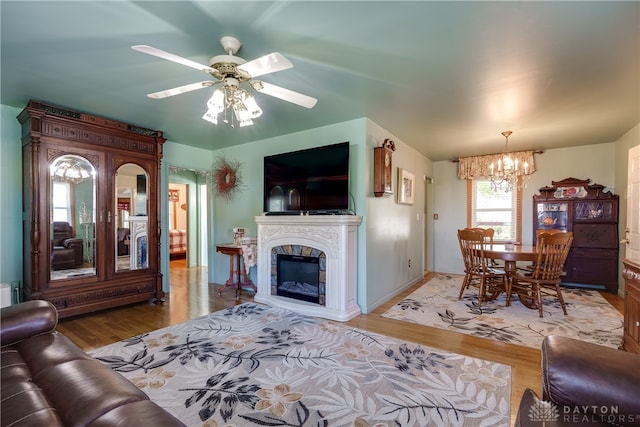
406	187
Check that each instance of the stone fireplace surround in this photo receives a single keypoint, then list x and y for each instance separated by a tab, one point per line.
336	236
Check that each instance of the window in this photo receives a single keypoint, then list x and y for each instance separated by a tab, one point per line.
499	210
61	202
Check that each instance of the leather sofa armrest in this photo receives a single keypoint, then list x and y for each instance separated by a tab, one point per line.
580	374
72	242
24	320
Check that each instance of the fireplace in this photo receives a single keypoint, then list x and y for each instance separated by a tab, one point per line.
298	277
328	244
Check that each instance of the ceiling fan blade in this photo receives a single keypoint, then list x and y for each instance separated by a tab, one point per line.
266	64
171	57
284	94
181	89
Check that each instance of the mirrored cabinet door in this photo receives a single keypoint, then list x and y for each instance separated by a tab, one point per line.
131	217
72	189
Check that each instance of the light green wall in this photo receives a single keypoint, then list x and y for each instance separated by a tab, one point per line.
241	211
395	233
382	257
390	234
11	200
362	135
596	162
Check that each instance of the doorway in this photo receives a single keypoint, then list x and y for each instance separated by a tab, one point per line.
178	221
188	216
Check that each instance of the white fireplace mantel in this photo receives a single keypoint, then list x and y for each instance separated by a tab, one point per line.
336	236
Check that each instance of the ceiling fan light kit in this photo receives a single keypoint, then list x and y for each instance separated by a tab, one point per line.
236	103
232	97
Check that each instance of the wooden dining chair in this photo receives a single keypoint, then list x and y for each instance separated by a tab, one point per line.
545	278
477	267
530	267
488	234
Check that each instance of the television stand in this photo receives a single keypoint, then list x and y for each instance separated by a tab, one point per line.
282	213
331	212
311	212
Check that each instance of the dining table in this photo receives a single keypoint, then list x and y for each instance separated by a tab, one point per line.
510	254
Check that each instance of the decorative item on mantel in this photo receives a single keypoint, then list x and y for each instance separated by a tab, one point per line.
227	178
382	159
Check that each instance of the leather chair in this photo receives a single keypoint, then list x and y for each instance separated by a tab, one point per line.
67	250
583	384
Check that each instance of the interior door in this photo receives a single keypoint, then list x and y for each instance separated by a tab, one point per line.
632	232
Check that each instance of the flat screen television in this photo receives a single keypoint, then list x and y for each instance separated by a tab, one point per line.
314	181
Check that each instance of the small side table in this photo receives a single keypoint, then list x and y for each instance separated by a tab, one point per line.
237	274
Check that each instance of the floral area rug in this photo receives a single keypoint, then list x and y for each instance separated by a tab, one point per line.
257	365
436	304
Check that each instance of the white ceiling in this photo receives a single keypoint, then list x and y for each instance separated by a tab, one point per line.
445	77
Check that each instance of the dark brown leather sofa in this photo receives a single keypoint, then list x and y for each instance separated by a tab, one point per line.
583	384
46	380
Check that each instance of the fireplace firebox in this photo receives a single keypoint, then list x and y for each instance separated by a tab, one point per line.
298	277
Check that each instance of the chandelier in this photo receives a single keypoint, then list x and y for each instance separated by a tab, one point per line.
71	168
234	103
504	177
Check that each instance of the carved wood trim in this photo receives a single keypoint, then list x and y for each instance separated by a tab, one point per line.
82	298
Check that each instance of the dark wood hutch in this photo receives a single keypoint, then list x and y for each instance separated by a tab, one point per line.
592	215
90	210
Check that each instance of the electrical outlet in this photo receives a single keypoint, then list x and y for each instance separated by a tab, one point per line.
409	264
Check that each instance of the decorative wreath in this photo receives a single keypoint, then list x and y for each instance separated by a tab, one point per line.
227	177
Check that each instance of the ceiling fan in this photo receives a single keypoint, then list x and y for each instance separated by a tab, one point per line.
231	72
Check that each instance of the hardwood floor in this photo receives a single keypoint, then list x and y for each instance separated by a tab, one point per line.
191	296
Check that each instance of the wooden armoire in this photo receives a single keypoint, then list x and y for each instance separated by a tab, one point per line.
592	215
91	221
